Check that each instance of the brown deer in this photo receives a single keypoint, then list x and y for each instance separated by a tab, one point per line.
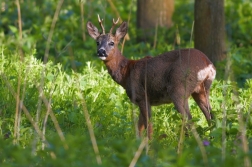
169	77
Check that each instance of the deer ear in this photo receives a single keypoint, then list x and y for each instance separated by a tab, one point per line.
92	30
121	31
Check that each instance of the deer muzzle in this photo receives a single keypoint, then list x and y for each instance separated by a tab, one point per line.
102	54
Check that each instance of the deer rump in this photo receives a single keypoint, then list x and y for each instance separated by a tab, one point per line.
169	77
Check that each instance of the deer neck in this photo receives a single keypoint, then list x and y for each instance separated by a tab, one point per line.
118	68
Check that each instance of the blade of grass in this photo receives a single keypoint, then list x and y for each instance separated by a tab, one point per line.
224	119
113	8
201	146
82	20
155	36
49	39
54	119
194	131
139	152
182	131
90	128
127	37
17	114
147	106
21	101
46	117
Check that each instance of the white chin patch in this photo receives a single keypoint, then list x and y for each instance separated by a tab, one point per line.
102	58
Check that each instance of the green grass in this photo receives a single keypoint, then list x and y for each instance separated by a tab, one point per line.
111	115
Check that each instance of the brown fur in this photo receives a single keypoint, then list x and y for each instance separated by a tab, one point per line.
170	77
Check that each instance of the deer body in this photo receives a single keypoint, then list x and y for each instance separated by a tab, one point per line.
171	77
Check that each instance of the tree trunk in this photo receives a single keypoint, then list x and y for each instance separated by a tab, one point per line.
209	30
153	13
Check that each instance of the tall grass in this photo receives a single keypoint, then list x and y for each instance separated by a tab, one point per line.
110	115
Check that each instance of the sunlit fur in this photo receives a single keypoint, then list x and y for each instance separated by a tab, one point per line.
171	77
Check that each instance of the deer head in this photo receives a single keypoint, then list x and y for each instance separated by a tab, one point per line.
107	43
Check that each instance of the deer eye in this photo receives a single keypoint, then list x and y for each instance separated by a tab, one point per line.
111	43
97	43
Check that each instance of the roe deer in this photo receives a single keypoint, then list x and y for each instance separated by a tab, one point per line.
170	77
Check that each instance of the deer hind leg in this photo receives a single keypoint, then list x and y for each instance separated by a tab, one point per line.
143	122
201	97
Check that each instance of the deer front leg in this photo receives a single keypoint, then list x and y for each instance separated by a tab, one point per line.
143	122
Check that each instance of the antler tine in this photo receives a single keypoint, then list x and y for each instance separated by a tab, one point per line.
100	21
114	23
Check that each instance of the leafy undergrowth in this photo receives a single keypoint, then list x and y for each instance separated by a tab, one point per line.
113	119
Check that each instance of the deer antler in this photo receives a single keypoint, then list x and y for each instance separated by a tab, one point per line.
114	23
100	21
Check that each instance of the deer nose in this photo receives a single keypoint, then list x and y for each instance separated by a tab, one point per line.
101	53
